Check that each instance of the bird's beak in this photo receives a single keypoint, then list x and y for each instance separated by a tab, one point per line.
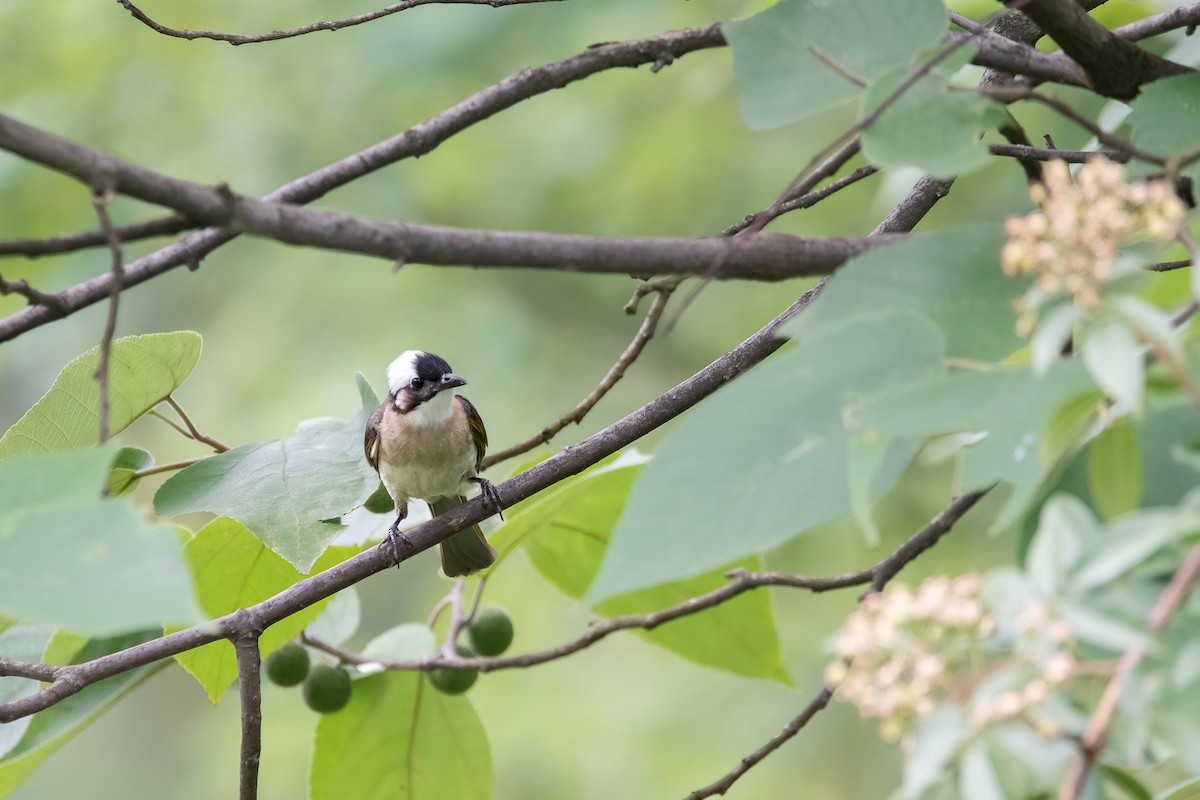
450	381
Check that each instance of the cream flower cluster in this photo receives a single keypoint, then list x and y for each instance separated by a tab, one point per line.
1070	243
906	652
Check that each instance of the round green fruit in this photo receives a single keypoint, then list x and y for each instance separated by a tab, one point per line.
491	632
454	681
288	665
327	689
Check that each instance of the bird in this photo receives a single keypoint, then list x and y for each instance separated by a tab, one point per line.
427	442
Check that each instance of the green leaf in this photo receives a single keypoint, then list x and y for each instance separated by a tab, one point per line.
1163	117
951	277
401	739
1051	334
75	560
402	643
51	729
121	474
143	371
285	490
339	621
565	533
1129	785
1128	542
1114	471
738	636
565	536
1188	790
933	747
232	570
792	61
1011	406
1114	359
765	458
1064	527
930	126
978	777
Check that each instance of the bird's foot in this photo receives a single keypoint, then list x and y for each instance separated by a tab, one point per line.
490	495
397	541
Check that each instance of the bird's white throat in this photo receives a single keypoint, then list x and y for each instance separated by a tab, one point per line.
434	411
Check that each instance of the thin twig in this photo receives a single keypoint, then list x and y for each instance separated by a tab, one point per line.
1167	266
1183	17
740	581
100	200
879	575
1048	154
725	782
1011	94
53	245
34	296
806	200
457	620
333	25
192	432
617	371
418	140
1096	735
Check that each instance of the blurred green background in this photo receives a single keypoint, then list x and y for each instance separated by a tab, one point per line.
622	153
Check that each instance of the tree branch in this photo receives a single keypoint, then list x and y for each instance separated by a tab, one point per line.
570	461
1116	66
334	25
879	574
53	245
1183	17
100	201
415	141
35	297
767	257
634	349
244	631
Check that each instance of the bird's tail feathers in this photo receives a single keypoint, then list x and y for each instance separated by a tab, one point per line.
467	551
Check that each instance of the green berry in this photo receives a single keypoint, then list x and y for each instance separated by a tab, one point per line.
491	632
327	689
380	502
288	665
454	681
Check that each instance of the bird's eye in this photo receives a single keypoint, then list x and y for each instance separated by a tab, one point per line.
415	383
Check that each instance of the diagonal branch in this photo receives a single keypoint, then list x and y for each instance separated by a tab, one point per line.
70	679
334	25
415	141
615	373
1116	66
53	245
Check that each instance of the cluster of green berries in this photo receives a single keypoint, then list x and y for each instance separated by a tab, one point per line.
490	633
327	688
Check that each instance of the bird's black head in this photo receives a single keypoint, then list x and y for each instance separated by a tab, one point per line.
416	377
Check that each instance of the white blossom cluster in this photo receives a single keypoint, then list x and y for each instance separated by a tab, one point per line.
1070	243
905	653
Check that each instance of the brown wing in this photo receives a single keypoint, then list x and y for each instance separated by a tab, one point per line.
478	432
371	437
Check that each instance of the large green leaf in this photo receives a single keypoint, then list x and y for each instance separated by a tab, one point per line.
767	457
565	536
75	560
142	371
232	570
930	125
1010	410
286	491
51	729
799	58
401	739
952	277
